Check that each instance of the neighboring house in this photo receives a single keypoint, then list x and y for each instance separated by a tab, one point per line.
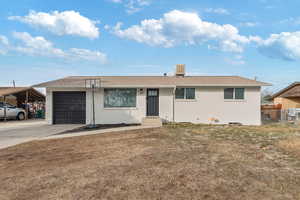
288	97
178	98
289	101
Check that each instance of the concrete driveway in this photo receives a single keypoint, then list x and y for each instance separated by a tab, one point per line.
16	132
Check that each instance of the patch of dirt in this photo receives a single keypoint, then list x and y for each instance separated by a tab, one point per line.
177	161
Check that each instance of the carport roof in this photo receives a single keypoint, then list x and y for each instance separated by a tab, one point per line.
154	81
21	91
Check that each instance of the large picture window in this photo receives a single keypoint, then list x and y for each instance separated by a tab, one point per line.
234	93
185	93
118	98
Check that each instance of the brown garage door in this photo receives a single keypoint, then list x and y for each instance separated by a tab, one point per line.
69	107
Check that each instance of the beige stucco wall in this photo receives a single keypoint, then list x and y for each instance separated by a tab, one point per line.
116	115
287	102
209	103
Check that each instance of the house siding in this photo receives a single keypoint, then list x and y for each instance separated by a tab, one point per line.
287	102
209	103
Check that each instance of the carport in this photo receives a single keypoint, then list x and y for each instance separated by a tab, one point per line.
20	96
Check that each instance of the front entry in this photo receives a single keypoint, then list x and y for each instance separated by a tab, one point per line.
152	102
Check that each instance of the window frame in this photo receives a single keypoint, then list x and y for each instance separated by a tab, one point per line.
234	94
185	93
105	106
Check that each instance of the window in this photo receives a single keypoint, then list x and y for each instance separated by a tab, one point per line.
185	93
2	105
190	93
239	93
116	98
234	93
179	93
228	93
152	93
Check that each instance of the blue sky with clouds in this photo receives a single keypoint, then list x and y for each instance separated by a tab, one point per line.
45	40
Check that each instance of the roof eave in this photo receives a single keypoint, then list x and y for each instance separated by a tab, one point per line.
157	86
277	94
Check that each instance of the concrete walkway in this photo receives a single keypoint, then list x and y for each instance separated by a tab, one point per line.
110	130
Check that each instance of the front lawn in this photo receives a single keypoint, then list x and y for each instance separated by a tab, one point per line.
177	161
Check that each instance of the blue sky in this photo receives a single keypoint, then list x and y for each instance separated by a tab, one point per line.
46	40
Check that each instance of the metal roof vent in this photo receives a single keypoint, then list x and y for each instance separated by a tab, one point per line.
180	70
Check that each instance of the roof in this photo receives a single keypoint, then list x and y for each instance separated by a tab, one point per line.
4	91
154	81
20	91
292	90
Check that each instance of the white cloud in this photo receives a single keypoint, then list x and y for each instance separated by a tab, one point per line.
291	21
39	46
61	23
236	60
116	1
220	11
3	44
86	54
3	40
178	27
249	24
133	6
285	45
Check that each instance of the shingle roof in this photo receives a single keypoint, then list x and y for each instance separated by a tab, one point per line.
292	90
154	81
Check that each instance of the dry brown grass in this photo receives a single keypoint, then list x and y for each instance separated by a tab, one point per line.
291	145
173	162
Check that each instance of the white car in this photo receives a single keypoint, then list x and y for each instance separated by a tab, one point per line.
12	112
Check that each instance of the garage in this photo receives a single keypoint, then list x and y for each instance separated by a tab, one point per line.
69	107
27	98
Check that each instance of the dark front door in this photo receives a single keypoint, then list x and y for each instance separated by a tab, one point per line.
152	102
69	107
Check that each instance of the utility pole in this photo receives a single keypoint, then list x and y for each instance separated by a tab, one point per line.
93	94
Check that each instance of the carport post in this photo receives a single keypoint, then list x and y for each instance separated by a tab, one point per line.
26	105
4	101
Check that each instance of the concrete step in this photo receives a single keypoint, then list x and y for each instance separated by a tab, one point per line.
152	121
